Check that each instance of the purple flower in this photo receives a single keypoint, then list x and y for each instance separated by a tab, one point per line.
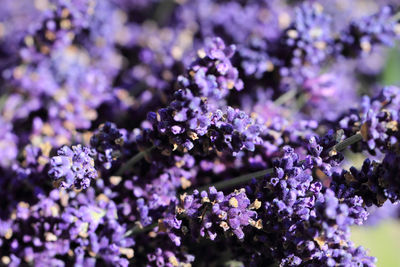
73	167
107	142
377	119
212	213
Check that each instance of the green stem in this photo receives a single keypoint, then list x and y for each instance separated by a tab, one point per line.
138	230
3	100
238	180
285	97
347	142
132	161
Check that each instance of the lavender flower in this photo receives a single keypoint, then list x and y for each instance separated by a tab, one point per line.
308	223
212	213
377	120
192	119
309	36
168	258
363	34
232	118
73	167
107	142
375	182
213	75
55	226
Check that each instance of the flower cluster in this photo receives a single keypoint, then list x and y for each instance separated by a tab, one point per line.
107	142
377	119
56	227
143	133
213	212
192	121
303	222
309	37
361	35
73	167
212	74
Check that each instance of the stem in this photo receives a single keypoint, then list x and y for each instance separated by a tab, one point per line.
285	97
138	230
132	161
3	100
347	142
238	180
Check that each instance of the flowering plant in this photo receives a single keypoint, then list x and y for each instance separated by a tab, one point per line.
146	133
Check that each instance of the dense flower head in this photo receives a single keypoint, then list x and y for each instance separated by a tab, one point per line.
375	182
182	122
73	167
212	74
234	130
309	35
194	128
309	220
210	213
107	142
362	34
377	119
